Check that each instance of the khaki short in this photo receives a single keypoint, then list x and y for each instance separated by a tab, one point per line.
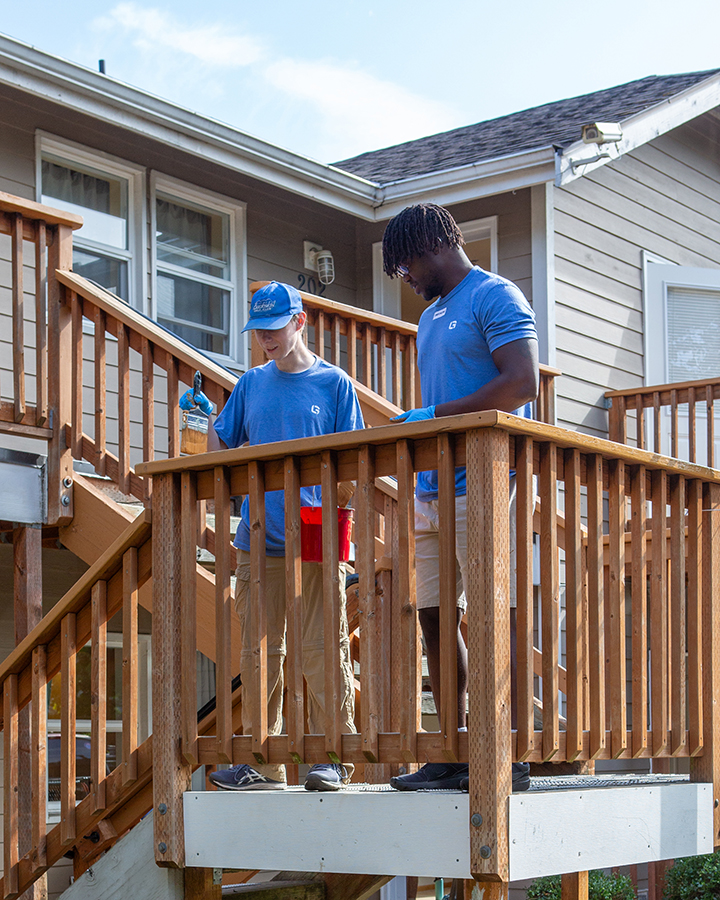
427	551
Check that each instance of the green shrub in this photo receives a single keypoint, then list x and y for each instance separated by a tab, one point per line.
693	878
600	887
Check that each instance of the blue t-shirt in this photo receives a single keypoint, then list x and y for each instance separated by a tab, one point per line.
457	336
268	405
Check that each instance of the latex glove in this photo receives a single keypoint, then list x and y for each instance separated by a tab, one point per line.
416	415
198	400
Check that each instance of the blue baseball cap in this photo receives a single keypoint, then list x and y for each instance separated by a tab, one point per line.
273	306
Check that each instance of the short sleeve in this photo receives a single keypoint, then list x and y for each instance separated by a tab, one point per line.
505	316
230	423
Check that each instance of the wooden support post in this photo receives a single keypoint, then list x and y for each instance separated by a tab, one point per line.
171	774
10	798
130	665
575	886
448	712
295	702
258	685
409	708
98	691
223	602
68	716
488	594
331	607
189	512
550	599
200	885
370	605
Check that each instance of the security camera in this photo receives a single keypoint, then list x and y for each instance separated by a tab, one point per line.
602	133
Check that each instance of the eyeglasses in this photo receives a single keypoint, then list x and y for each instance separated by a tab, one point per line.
402	271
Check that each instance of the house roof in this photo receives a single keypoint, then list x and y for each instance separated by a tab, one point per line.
553	124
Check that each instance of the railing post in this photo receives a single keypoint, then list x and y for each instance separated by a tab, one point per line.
488	595
60	466
171	774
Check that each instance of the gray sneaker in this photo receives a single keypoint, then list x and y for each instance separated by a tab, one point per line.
326	777
243	778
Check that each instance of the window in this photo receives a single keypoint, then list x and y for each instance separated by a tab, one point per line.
196	263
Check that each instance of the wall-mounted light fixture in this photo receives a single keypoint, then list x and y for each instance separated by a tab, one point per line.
316	259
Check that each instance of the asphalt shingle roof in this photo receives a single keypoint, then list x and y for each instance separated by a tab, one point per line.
558	124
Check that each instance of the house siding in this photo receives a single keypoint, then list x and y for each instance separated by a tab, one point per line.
664	198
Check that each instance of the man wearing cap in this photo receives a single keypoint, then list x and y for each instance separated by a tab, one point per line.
294	395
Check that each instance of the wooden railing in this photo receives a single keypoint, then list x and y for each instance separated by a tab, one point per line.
693	400
381	352
662	539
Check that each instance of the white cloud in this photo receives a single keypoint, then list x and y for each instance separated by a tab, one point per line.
212	44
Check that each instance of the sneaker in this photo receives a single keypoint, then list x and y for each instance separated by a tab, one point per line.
326	777
520	778
244	778
433	777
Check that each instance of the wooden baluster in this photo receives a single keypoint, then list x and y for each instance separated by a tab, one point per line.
173	397
18	316
352	348
448	712
38	855
640	421
76	307
524	505
658	615
657	442
710	426
335	340
130	665
98	692
618	420
256	492
372	663
674	423
223	602
188	603
550	598
367	355
68	764
123	352
692	436
694	615
574	886
489	737
320	334
638	545
295	702
148	411
100	404
396	368
677	615
409	369
41	371
596	605
405	528
574	642
331	606
10	797
616	604
381	363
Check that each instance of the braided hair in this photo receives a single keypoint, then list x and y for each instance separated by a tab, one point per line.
415	231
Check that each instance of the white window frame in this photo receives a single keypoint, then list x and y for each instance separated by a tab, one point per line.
386	290
236	210
63	150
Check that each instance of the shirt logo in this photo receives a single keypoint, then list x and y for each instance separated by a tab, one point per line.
439	313
452	324
315	409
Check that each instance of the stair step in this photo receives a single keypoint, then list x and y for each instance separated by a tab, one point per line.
278	890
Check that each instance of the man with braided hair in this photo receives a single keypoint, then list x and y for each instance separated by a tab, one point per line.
477	349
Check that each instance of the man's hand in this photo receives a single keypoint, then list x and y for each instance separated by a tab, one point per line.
198	400
416	415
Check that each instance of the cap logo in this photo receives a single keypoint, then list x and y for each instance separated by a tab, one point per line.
263	305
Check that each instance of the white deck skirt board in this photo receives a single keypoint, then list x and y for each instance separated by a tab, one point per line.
378	832
386	832
571	831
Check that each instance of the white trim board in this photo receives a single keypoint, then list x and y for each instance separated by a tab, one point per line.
428	833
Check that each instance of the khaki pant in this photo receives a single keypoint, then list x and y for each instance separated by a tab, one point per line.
313	654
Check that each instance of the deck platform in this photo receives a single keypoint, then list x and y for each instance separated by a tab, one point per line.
564	824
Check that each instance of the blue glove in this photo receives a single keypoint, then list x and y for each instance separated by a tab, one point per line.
416	415
198	400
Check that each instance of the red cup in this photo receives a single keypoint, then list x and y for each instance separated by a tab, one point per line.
311	533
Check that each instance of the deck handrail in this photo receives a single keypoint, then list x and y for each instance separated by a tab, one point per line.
700	393
653	701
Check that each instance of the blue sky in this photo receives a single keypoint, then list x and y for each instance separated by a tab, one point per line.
334	78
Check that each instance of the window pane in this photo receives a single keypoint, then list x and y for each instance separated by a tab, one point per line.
192	238
101	200
693	333
110	273
196	312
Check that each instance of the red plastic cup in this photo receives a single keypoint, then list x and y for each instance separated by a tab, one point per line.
311	533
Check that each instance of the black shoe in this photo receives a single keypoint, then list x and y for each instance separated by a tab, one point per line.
243	778
433	777
326	777
520	778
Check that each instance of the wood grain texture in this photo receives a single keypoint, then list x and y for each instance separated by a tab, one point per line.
224	563
550	598
38	855
448	712
130	664
188	612
98	691
68	709
677	619
331	606
617	651
10	779
295	700
525	503
574	605
596	604
638	569
409	706
256	477
659	615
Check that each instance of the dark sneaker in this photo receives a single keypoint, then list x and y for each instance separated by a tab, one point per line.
326	777
244	778
520	778
433	777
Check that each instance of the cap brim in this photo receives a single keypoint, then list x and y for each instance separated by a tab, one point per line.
270	324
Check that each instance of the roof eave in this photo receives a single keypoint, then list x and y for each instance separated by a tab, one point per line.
640	129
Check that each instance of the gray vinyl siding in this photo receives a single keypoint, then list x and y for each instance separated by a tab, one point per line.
663	198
